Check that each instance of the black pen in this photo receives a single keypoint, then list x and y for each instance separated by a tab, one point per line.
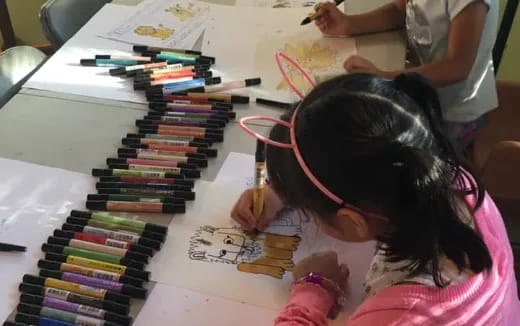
11	247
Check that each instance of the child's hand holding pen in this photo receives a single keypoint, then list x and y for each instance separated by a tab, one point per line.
331	20
243	210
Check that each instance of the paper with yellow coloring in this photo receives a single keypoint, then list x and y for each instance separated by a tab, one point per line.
163	23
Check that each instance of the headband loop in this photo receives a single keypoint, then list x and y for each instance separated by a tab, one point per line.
242	125
279	56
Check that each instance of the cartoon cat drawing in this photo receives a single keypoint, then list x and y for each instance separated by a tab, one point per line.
183	13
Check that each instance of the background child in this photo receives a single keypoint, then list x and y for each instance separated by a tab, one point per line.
449	41
384	170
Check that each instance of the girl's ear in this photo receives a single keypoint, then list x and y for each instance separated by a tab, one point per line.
357	221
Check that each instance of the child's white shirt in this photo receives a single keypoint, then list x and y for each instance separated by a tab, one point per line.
428	26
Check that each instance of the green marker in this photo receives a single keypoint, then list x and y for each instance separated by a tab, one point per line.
137	198
62	315
105	217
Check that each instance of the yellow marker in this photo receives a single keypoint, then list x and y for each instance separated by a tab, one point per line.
258	190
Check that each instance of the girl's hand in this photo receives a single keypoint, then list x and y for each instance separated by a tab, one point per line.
326	264
357	64
331	21
243	210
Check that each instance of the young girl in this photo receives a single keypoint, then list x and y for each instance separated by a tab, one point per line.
369	161
450	42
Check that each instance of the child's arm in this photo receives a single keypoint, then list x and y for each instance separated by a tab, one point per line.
465	33
333	21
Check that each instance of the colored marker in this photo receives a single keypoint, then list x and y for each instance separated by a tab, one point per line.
110	62
96	264
216	115
189	173
176	138
182	161
144	140
181	132
144	48
90	272
76	308
128	69
81	244
212	97
27	319
232	85
50	292
177	122
209	106
165	146
121	220
132	206
141	185
163	75
315	14
62	313
77	288
135	173
200	121
183	85
205	76
167	181
130	290
228	114
99	239
154	154
90	254
135	198
201	130
171	68
123	57
277	104
176	162
175	54
123	236
13	323
118	227
188	195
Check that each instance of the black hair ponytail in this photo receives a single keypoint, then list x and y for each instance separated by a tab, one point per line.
430	221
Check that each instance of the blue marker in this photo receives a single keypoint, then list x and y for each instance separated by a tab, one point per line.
110	62
182	86
175	57
40	321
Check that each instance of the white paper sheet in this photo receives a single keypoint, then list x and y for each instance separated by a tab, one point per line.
63	73
163	23
185	263
276	3
169	305
257	39
34	200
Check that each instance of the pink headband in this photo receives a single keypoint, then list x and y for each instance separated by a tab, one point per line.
292	126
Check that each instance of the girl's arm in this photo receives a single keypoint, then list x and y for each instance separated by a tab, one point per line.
464	39
308	306
385	18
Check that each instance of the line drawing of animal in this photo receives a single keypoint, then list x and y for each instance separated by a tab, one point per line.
267	253
160	32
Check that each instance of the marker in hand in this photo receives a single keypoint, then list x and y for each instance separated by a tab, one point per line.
258	190
315	14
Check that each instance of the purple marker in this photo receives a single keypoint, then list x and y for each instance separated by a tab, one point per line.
127	289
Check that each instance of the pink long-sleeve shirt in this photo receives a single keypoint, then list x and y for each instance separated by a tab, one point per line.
484	299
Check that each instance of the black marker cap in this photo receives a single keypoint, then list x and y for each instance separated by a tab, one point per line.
150	243
31	299
253	81
140	48
48	264
72	227
52	248
63	234
213	80
117	71
30	309
134	292
137	256
78	213
13	323
31	289
33	279
27	319
77	221
88	62
117	297
118	319
58	241
51	273
210	59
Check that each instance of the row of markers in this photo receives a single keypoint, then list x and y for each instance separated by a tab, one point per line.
96	262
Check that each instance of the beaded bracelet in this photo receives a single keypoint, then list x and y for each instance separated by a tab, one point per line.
340	298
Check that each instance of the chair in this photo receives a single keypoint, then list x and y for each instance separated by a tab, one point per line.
497	157
61	19
17	64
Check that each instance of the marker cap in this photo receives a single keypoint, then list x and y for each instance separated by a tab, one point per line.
51	273
13	323
137	256
117	71
58	241
78	213
31	299
63	234
50	265
253	81
72	227
31	289
29	308
27	319
88	62
134	291
33	279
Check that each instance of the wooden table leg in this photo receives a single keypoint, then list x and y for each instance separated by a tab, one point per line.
6	27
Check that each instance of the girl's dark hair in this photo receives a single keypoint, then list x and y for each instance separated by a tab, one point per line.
379	144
